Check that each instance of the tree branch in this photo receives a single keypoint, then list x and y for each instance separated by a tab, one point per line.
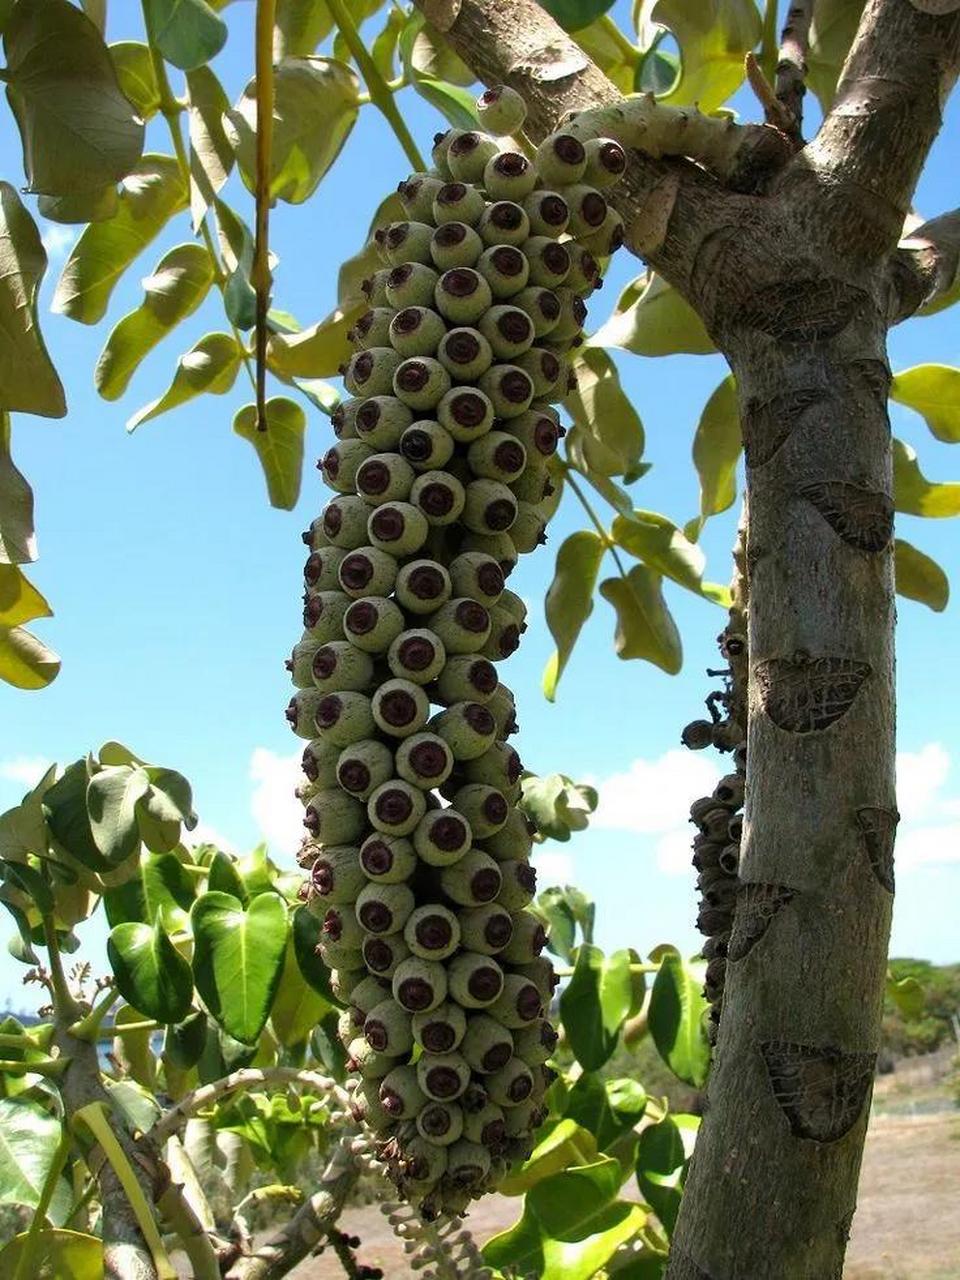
925	270
790	85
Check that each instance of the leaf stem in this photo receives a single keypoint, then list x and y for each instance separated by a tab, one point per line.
609	544
52	1067
379	90
260	269
26	1266
88	1028
630	51
66	1006
121	1029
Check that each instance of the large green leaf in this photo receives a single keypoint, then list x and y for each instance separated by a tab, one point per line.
78	130
20	601
209	367
25	661
569	600
714	37
652	319
57	1254
564	1144
436	73
82	207
163	888
65	808
137	76
211	155
317	352
676	1018
606	1109
238	959
172	292
645	626
315	107
919	577
149	196
717	446
187	32
28	381
307	933
151	973
18	543
933	391
613	54
658	542
607	436
300	26
663	1154
574	14
112	797
297	1007
279	447
914	494
594	1004
832	30
29	1137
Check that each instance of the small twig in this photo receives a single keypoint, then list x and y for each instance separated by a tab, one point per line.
774	111
792	65
260	269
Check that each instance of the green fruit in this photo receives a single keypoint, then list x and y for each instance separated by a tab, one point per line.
416	655
503	708
584	274
465	354
606	162
416	331
344	718
343	982
487	1044
484	807
314	537
375	288
382	477
382	420
421	382
455	245
372	329
442	1076
486	929
409	285
535	1043
407	242
546	371
549	261
440	1030
335	955
384	908
509	176
504	635
509	388
364	1058
441	145
548	213
338	666
490	507
319	762
541	305
511	1085
519	884
467	1164
417	195
509	332
366	572
340	928
475	980
468	728
424	760
424	1162
339	464
466	677
529	529
419	985
573	313
442	838
505	269
387	859
462	295
367	993
588	209
608	237
486	1127
345	524
518	1004
440	1123
465	413
396	808
462	624
499	767
533	485
497	456
387	1029
320	572
372	623
472	881
300	662
383	955
336	875
365	1106
496	546
423	586
528	940
363	767
397	527
400	708
370	372
439	495
468	154
502	111
504	222
426	445
561	160
301	712
432	932
475	574
541	973
400	1095
458	202
519	1120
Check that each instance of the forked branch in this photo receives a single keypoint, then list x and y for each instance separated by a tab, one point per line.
926	266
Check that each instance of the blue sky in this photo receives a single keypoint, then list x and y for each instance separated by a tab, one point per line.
176	587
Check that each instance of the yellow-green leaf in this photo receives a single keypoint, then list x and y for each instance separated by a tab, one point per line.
914	494
933	391
211	155
297	1008
176	288
59	1253
652	319
137	76
300	26
569	600
658	542
187	32
83	206
279	448
24	661
18	543
717	446
20	601
608	435
615	58
210	366
832	30
317	352
919	577
645	626
714	36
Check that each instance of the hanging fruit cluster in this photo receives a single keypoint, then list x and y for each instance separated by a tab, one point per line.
718	817
417	851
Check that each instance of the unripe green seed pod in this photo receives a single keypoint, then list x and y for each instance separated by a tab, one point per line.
442	838
398	528
455	245
336	875
319	762
440	1030
467	727
504	636
524	1117
334	818
421	382
573	313
512	1084
514	606
509	332
300	662
608	237
439	495
486	1127
484	807
440	1123
505	269
541	305
535	1043
475	980
340	926
468	154
384	908
518	1004
314	537
387	1029
416	331
420	985
423	586
462	624
339	666
606	162
502	111
549	261
382	956
486	929
497	456
344	523
561	160
467	1164
400	1095
424	1162
519	884
407	242
546	370
365	1107
533	485
339	464
337	955
462	295
548	213
529	939
416	655
475	574
474	880
487	1044
465	413
382	420
363	767
490	507
366	572
344	718
541	973
343	982
426	445
409	285
301	712
504	222
466	678
588	209
509	176
584	275
441	145
499	767
400	708
538	432
396	808
465	354
372	329
529	529
443	1076
370	372
367	993
387	859
458	202
375	288
372	623
417	195
362	1057
424	760
432	932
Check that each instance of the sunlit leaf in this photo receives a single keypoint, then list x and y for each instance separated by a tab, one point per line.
209	367
663	1154
914	494
150	972
714	36
81	206
187	32
717	446
238	959
652	319
317	352
20	601
307	932
363	263
112	797
574	14
676	1017
58	1253
645	626
211	155
608	435
18	543
594	1004
436	73
933	391
29	1137
297	1007
658	542
279	447
908	995
919	577
569	600
565	1144
137	76
299	27
25	661
557	804
832	30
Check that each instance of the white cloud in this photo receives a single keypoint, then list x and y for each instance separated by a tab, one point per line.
919	846
276	810
920	776
553	867
653	797
27	770
58	240
203	833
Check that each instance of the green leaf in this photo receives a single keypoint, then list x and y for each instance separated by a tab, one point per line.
149	196
183	1041
112	797
164	890
663	1154
315	108
58	1253
151	973
187	32
25	662
28	381
565	1144
211	155
933	391
714	36
137	76
224	878
300	26
297	1007
574	14
96	11
82	207
658	542
569	600
317	352
209	367
78	130
676	1019
832	30
607	436
307	932
176	288
594	1004
717	446
914	494
658	72
29	1137
645	626
20	601
652	319
557	805
908	995
279	448
431	67
591	1103
65	809
238	959
560	920
616	59
18	542
919	577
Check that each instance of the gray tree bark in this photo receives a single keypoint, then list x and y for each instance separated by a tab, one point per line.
797	283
